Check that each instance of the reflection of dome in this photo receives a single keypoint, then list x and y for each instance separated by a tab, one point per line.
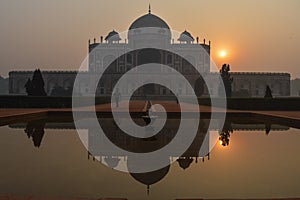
149	20
150	178
186	37
113	36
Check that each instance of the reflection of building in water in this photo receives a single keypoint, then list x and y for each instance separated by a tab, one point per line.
235	126
35	130
191	155
113	46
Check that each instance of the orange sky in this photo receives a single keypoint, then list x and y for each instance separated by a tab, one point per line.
257	35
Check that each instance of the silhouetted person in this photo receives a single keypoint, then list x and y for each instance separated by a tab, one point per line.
117	96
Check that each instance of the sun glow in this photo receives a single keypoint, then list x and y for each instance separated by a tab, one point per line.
222	54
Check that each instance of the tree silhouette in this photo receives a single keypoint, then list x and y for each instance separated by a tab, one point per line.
268	93
35	130
29	87
268	128
227	80
35	87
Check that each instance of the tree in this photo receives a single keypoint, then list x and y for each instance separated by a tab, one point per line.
268	93
35	87
29	87
227	80
38	83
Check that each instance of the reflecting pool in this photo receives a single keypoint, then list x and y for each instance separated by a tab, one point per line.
252	159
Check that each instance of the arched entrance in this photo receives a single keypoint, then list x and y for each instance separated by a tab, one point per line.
146	56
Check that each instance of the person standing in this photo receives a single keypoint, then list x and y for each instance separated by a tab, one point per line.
117	96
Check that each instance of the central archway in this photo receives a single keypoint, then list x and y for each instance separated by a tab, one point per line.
147	56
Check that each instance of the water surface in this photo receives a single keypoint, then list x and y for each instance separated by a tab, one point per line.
56	164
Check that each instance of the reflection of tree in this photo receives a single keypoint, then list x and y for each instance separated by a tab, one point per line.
225	134
35	130
268	128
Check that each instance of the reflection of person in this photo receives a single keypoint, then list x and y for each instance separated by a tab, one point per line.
117	96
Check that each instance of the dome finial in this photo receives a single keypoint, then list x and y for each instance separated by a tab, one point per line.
149	8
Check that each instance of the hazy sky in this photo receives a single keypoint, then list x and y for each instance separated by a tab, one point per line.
258	35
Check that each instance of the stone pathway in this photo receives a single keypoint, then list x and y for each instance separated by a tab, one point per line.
48	198
289	118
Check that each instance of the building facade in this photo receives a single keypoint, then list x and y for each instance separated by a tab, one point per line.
115	51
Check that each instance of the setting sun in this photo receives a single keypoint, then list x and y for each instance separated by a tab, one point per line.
222	54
